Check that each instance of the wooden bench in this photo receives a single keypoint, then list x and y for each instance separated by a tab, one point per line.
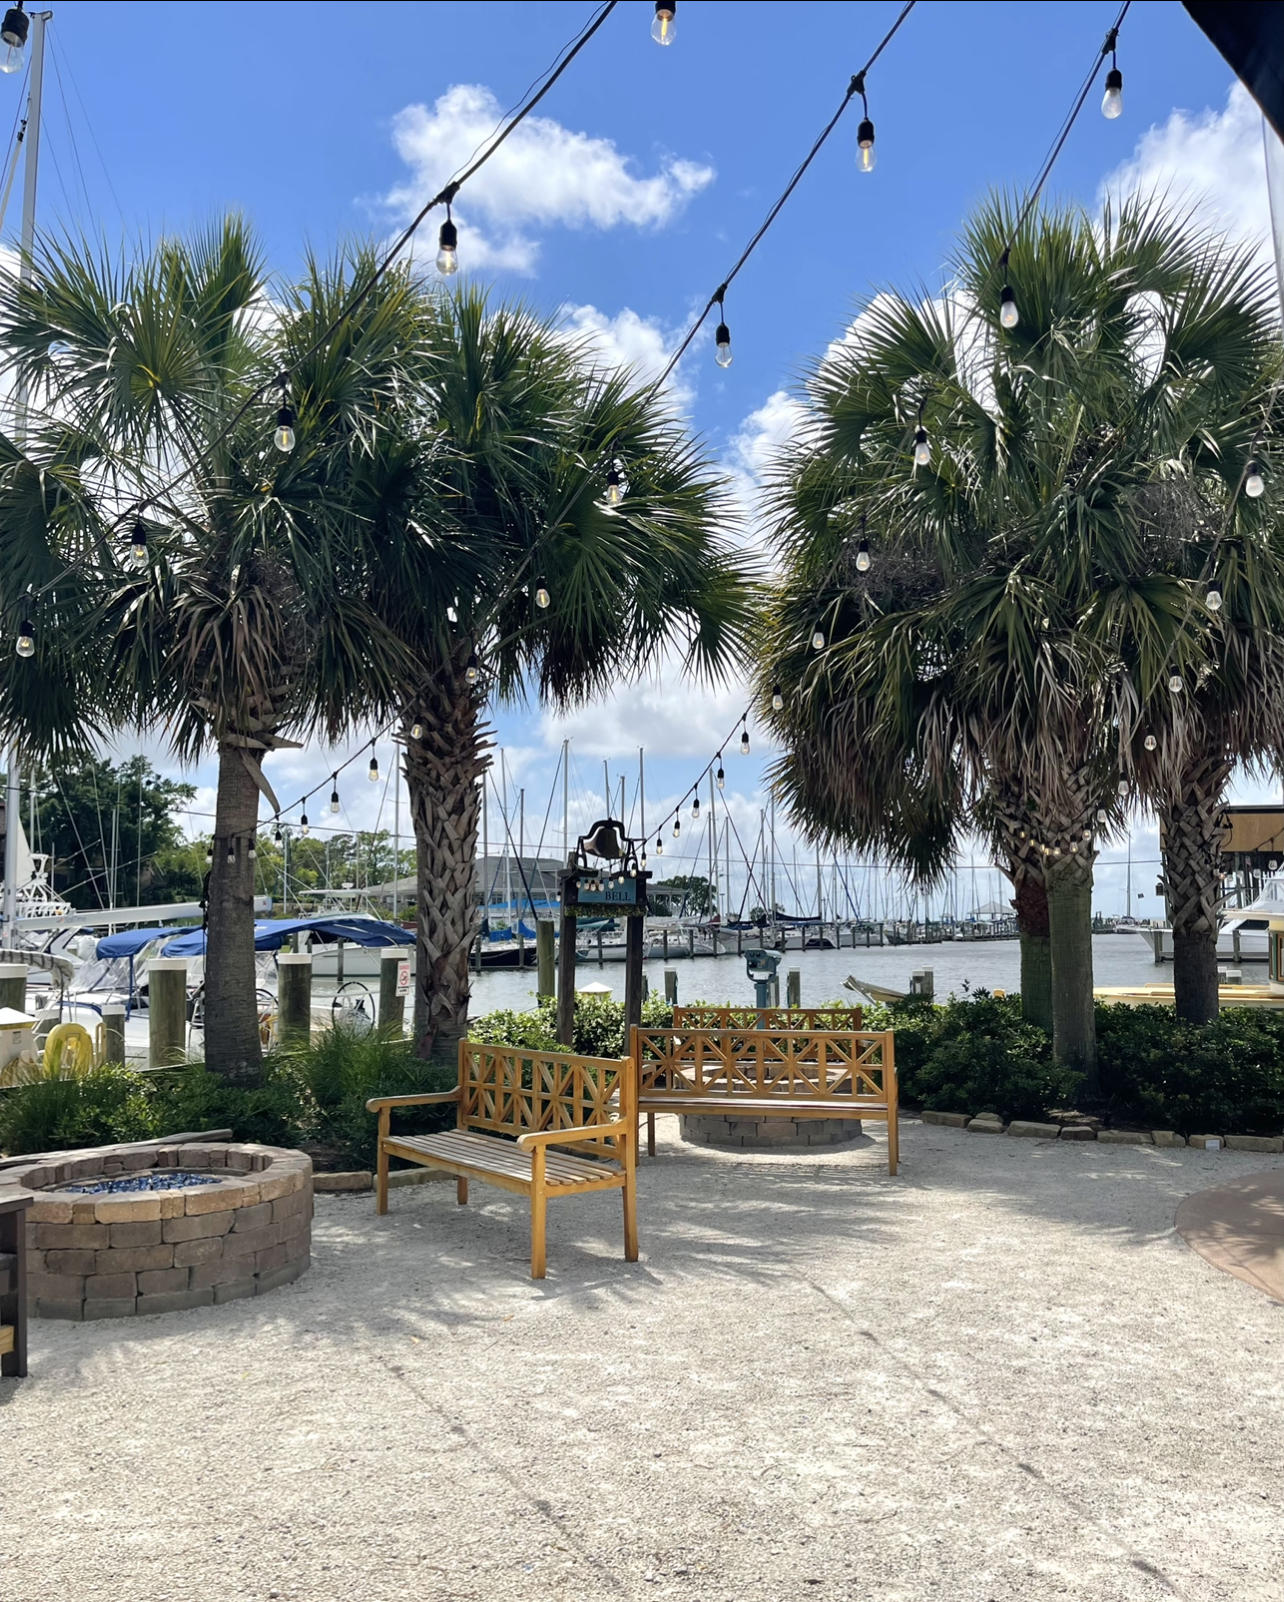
838	1019
13	1281
785	1073
517	1111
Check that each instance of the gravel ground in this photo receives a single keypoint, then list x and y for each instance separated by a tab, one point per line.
1002	1375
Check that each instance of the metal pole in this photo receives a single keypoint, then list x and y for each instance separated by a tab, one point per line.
566	799
13	800
396	832
642	793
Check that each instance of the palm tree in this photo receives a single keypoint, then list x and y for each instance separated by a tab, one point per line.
250	618
507	574
1142	355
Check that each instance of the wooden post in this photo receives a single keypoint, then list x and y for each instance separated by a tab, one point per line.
566	974
633	952
294	997
166	1010
13	985
546	958
392	999
13	1282
671	986
793	988
114	1033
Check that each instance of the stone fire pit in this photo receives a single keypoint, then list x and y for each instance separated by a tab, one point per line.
153	1229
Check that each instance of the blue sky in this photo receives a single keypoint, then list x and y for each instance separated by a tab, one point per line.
628	201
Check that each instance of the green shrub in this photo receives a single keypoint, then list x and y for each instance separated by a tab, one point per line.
599	1025
105	1105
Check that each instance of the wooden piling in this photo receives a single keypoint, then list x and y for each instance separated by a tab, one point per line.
166	1010
294	997
545	954
13	985
392	999
114	1033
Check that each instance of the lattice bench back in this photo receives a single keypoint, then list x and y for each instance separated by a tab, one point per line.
811	1065
837	1019
508	1090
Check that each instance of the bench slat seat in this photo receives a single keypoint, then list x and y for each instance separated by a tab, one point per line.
517	1113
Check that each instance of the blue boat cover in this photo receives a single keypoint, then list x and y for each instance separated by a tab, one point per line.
270	934
129	942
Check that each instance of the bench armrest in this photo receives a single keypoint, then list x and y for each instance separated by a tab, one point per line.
378	1103
569	1137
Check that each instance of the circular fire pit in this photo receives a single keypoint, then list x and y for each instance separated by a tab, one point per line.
766	1134
153	1229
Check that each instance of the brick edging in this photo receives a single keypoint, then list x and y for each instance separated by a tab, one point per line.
991	1124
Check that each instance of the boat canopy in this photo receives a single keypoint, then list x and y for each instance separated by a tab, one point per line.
129	942
270	934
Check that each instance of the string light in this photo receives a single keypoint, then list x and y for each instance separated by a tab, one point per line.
614	489
542	597
276	835
448	247
1175	683
416	730
1123	787
1009	316
138	545
862	557
231	853
1150	742
1213	600
374	767
283	438
818	639
721	775
695	810
777	700
642	858
722	335
1112	102
922	445
1254	483
663	24
473	671
303	825
744	743
25	644
252	851
1101	815
677	825
13	34
659	845
334	794
865	154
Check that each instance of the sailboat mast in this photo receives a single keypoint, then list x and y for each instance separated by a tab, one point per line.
642	795
566	800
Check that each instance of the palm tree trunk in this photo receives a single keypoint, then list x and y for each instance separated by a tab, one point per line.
1192	834
232	1046
442	770
1031	903
1074	1024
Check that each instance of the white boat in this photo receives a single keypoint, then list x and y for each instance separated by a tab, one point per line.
1244	933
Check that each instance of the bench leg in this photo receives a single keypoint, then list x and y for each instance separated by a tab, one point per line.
650	1134
381	1165
893	1141
539	1210
461	1192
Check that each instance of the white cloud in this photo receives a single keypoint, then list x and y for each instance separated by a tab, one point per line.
543	173
750	453
641	344
1213	160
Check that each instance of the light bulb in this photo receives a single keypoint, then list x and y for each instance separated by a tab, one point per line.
642	860
1008	314
303	824
677	826
1175	683
472	672
1272	865
818	640
13	34
865	157
722	346
138	546
1112	102
1087	834
252	853
283	439
721	775
416	731
614	489
744	743
542	597
663	25
334	800
1056	851
1123	787
922	447
1213	600
231	856
695	809
862	557
1254	483
1101	815
777	700
448	249
25	644
1150	742
276	836
659	846
374	770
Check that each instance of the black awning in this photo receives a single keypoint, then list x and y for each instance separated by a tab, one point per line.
1250	35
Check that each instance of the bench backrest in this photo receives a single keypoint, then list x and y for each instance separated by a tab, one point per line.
509	1090
837	1019
798	1064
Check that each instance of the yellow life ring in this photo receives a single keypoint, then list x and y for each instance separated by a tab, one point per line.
69	1051
267	1023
